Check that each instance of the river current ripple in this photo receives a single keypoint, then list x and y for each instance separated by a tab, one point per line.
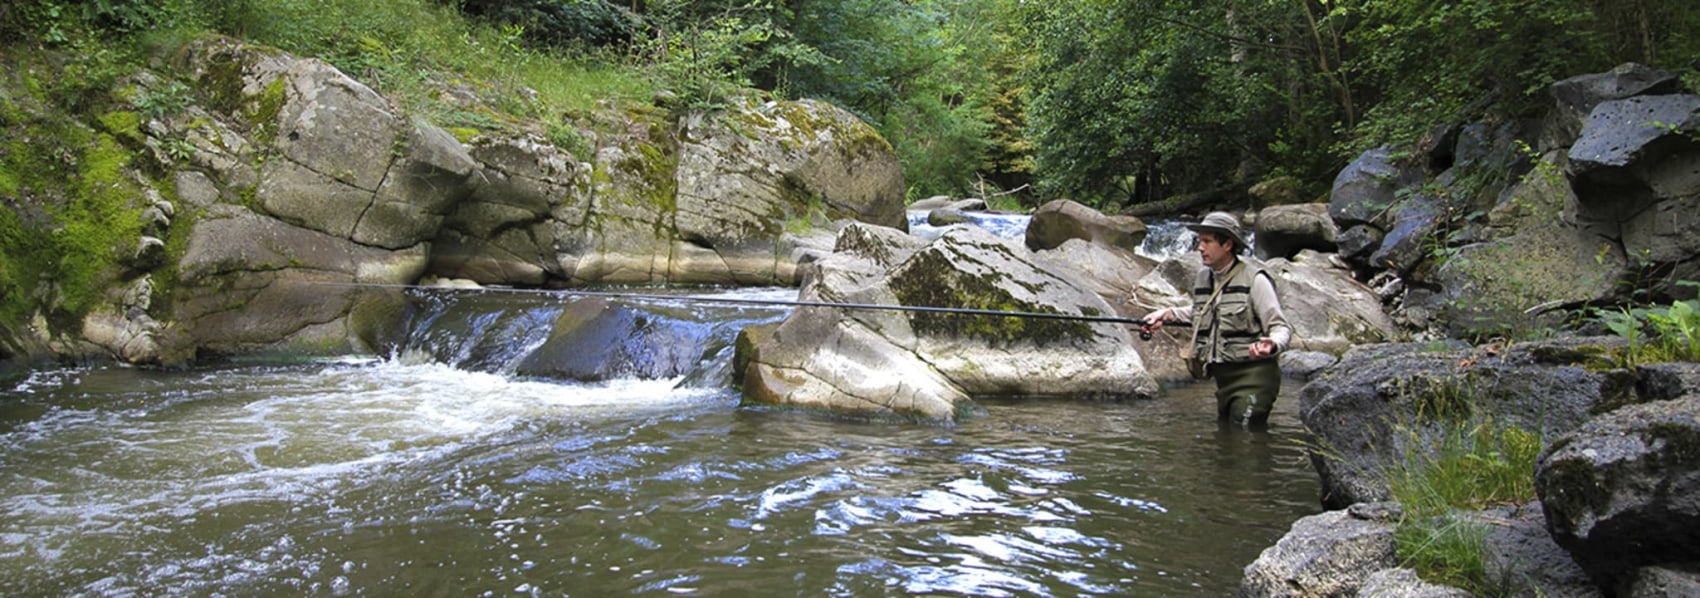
384	477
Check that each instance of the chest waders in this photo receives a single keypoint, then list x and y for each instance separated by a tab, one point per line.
1226	325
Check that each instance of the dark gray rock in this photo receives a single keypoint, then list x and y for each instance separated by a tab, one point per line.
1520	554
1621	132
1667	381
593	340
1364	189
1412	235
1358	408
1659	582
1546	257
1623	491
1576	97
1358	242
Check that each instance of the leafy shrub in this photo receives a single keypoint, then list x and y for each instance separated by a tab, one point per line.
1657	334
561	23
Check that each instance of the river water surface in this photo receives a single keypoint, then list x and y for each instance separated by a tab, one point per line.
436	472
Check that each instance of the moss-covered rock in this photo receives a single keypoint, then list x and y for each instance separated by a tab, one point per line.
929	364
1623	491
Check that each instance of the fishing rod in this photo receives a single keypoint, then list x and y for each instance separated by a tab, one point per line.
1144	329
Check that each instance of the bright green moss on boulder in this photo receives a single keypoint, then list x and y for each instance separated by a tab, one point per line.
928	279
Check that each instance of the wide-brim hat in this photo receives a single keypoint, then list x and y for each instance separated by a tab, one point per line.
1223	223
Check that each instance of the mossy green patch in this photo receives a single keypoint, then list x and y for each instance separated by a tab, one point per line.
1574	487
99	224
1681	442
464	134
266	108
929	279
124	124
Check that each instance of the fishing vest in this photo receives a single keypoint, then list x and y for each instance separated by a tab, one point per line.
1226	330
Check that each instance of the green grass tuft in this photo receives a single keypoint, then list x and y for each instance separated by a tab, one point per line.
1463	464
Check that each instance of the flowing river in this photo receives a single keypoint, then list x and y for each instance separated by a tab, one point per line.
439	472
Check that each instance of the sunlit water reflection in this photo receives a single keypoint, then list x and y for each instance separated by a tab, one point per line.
383	477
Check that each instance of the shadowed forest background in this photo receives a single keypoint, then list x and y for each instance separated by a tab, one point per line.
1109	103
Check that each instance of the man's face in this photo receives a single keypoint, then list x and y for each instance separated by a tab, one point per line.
1217	250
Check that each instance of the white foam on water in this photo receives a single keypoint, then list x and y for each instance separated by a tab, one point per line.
115	470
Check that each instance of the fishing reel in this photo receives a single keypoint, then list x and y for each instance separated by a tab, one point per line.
1145	332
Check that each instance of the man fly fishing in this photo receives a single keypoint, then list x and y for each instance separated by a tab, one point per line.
1238	326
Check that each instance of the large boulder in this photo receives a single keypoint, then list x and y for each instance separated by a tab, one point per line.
1410	238
1552	256
928	365
1060	220
1642	128
275	273
1623	491
1365	188
1576	97
1285	230
505	231
251	283
1383	401
726	197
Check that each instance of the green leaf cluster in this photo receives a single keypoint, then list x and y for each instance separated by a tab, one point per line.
1659	333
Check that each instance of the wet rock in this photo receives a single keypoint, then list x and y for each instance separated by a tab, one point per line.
593	340
946	217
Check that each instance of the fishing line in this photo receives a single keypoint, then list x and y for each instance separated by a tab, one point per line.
768	302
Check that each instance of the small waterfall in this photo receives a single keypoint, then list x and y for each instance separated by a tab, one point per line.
1164	238
558	335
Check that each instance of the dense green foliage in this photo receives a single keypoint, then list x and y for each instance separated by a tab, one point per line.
1107	102
1135	101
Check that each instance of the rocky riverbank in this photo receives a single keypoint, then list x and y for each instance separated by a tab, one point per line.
1599	210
